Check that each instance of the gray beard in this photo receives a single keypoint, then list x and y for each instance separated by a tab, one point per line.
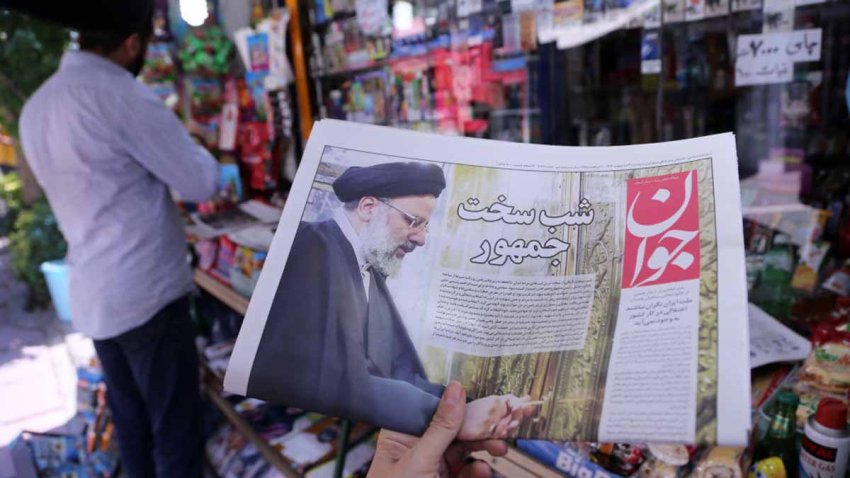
378	246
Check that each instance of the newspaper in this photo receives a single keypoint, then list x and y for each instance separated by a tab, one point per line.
771	341
603	286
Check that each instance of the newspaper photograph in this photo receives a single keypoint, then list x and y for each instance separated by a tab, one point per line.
578	293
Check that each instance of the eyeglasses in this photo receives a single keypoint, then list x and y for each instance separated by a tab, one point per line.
416	223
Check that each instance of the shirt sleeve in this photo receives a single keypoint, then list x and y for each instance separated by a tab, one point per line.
157	140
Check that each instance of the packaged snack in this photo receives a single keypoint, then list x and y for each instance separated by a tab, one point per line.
247	264
206	95
665	461
839	281
207	251
828	366
224	261
720	462
621	458
159	65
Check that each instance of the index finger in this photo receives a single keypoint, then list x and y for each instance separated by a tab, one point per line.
458	451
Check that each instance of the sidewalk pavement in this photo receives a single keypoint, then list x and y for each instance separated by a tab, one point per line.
38	360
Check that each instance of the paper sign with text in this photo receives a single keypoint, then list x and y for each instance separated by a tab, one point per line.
770	57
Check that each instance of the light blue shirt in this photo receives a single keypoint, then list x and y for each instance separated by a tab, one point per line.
106	151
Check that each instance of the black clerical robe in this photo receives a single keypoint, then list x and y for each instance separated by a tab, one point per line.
313	353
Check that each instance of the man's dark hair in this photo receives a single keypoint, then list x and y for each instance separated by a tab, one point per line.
107	41
102	41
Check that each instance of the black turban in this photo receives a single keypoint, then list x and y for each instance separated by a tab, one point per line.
390	180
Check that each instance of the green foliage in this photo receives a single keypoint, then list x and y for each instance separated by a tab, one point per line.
11	201
30	50
36	239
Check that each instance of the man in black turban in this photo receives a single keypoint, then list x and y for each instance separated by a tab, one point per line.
334	341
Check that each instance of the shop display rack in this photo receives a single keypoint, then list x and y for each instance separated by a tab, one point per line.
213	382
220	291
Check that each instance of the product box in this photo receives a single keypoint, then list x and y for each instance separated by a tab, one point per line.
564	458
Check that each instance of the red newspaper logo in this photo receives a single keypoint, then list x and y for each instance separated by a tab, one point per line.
662	230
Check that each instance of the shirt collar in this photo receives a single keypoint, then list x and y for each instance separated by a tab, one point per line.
79	58
348	231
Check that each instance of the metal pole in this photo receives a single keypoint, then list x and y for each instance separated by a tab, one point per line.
342	449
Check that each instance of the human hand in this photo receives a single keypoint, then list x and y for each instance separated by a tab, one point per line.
436	453
495	416
197	132
519	409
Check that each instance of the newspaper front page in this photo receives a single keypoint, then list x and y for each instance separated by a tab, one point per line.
606	286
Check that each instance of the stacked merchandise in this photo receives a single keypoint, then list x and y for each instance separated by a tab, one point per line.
239	110
594	92
236	258
422	72
308	449
797	252
607	460
229	453
243	116
91	451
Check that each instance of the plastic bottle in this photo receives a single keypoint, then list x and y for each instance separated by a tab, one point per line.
826	443
773	293
781	437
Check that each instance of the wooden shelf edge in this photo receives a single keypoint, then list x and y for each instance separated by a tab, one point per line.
222	292
269	453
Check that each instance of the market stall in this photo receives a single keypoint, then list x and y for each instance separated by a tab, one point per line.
570	72
608	73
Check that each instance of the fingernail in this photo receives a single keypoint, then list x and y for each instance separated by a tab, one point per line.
491	430
453	393
514	424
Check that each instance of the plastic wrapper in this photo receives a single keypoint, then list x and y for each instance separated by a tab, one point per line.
621	458
828	366
720	462
665	461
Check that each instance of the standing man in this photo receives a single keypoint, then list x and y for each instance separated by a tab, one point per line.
106	151
334	341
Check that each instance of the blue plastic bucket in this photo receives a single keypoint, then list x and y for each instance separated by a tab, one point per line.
56	275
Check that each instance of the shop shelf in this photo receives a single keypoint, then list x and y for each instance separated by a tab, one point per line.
269	453
221	291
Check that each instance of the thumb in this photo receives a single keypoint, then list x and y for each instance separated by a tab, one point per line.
445	425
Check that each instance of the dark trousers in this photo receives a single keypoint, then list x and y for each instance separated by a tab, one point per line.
154	392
